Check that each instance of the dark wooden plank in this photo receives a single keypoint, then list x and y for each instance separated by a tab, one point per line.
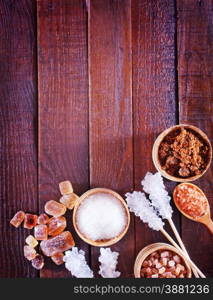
63	104
18	157
111	156
154	101
195	77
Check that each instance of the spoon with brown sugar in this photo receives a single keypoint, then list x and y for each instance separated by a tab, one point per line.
193	204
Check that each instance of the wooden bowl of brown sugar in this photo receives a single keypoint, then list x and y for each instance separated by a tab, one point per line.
182	153
161	260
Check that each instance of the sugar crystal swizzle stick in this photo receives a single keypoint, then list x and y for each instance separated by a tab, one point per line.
153	185
141	207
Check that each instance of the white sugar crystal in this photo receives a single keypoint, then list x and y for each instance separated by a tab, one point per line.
159	197
140	206
76	263
108	260
101	216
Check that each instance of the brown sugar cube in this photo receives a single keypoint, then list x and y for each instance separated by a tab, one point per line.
31	241
143	270
56	225
164	254
172	270
162	270
58	258
17	219
42	219
168	275
158	265
149	263
38	262
40	232
69	200
177	270
154	271
164	261
65	187
54	208
182	268
153	253
171	263
59	243
29	252
177	259
152	259
149	270
145	264
30	221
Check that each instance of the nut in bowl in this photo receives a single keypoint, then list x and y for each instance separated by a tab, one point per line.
182	153
101	217
161	260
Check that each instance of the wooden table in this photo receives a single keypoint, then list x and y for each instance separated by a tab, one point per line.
85	88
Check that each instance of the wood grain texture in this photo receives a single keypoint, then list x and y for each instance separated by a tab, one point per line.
195	79
97	129
18	157
63	104
111	156
154	100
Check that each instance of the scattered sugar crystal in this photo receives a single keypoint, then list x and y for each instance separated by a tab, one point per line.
65	187
29	252
108	260
141	207
59	243
31	241
40	232
42	219
17	219
101	216
56	225
30	221
38	262
69	200
54	208
159	197
76	263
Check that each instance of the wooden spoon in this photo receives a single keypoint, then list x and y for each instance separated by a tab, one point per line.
205	218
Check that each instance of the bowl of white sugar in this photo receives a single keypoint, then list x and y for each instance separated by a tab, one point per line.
101	217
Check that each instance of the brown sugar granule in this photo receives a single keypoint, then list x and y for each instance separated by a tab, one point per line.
17	219
183	153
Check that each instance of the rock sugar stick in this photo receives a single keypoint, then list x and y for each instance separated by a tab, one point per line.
141	207
153	185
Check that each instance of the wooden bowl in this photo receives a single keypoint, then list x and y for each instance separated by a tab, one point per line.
155	151
101	243
145	252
